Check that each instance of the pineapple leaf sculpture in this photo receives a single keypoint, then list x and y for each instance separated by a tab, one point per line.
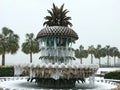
57	17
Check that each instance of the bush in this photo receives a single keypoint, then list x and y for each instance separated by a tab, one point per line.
6	71
113	75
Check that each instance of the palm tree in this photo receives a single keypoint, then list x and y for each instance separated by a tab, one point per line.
114	53
107	50
8	43
81	53
30	46
118	60
99	52
57	17
91	51
103	53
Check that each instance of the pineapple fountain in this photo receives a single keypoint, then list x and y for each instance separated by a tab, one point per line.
57	55
57	68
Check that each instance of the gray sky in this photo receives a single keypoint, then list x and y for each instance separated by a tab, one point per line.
95	21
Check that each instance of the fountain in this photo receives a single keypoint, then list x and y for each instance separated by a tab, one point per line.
57	52
57	68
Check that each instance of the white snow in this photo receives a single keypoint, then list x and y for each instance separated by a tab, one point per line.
106	70
22	84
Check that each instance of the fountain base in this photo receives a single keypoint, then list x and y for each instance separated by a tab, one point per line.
59	83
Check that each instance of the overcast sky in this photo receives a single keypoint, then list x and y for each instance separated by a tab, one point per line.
95	21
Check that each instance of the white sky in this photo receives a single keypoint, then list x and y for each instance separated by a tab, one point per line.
95	21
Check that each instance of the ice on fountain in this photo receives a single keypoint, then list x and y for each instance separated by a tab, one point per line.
50	65
31	64
69	66
18	69
33	67
43	65
55	76
74	66
62	65
56	65
92	81
31	75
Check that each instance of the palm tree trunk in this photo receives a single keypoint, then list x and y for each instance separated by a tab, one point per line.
31	57
108	60
3	59
81	61
91	59
99	62
114	61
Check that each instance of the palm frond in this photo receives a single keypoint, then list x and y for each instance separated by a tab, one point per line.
57	17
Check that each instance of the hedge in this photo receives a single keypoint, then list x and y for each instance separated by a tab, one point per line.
6	71
113	75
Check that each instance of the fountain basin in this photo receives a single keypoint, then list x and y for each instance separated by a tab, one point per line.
19	83
54	75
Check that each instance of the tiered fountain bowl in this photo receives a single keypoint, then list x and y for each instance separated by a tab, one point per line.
57	69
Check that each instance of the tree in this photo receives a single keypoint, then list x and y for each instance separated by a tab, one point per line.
114	53
103	53
91	51
8	43
118	60
57	17
107	50
30	46
81	53
99	52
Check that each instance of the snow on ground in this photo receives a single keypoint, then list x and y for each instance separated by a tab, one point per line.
106	70
22	84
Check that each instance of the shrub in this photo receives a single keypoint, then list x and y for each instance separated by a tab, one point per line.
6	71
113	75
